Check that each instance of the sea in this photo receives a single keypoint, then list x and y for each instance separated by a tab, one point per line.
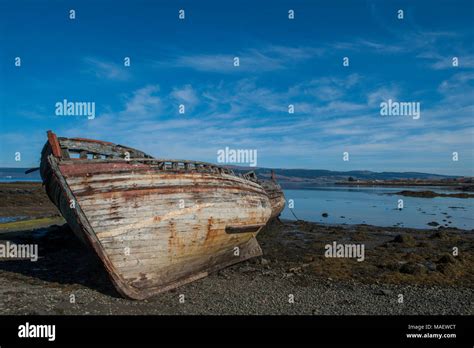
379	206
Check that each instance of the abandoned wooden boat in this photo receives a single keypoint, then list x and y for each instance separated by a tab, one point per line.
155	224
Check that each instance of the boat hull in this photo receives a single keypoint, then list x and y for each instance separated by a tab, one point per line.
276	196
156	230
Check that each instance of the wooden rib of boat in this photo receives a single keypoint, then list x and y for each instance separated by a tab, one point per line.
155	224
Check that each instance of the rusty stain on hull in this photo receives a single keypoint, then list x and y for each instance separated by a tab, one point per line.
155	224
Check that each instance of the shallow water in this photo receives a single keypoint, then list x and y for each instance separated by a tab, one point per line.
378	206
5	219
17	179
18	174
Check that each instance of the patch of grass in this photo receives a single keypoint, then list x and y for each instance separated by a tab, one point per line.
31	224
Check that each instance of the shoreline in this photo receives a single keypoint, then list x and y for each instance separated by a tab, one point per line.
447	185
432	194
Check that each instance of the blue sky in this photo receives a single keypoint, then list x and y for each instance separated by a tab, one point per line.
282	62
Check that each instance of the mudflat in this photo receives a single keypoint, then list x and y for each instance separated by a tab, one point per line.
25	200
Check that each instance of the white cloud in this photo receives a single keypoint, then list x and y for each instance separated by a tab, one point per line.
369	45
106	69
325	88
381	94
438	61
186	95
144	102
268	58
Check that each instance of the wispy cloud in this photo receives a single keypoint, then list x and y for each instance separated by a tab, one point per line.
106	69
439	61
186	95
458	89
325	88
143	102
375	97
268	58
426	43
360	44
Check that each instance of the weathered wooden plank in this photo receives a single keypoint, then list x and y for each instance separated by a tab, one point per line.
100	147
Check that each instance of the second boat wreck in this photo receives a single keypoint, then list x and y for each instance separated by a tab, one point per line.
156	224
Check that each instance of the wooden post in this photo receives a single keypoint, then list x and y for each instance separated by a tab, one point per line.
54	143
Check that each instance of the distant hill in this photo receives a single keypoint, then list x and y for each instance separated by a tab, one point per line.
356	174
295	178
